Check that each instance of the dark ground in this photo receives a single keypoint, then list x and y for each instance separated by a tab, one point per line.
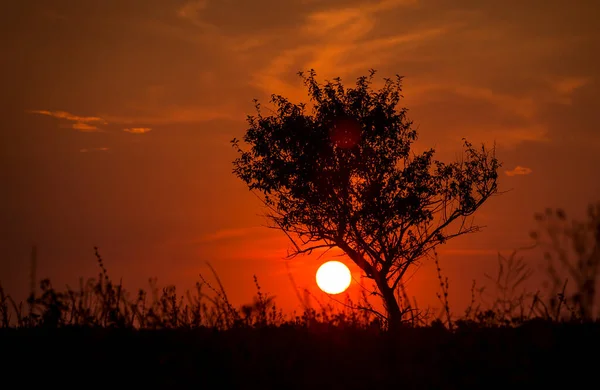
542	355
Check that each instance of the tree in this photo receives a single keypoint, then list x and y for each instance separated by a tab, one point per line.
343	176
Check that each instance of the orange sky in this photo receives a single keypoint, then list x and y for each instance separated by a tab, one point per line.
117	115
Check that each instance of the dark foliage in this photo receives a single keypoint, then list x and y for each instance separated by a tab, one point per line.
344	175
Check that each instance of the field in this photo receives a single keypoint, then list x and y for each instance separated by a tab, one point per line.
288	357
99	335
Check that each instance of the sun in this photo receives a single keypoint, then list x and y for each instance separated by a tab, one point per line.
333	277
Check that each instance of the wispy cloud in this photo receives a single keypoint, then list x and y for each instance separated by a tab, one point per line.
191	9
68	116
519	171
338	42
79	123
477	112
192	12
159	116
137	130
84	127
566	87
451	53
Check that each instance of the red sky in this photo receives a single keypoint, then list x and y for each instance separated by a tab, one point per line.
117	115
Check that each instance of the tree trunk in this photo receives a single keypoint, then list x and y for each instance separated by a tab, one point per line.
394	315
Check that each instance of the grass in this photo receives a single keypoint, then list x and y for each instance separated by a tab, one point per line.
102	335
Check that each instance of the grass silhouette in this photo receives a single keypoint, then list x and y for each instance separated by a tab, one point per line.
101	335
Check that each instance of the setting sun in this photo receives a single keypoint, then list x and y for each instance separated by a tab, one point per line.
333	277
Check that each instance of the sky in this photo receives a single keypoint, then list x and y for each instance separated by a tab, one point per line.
117	116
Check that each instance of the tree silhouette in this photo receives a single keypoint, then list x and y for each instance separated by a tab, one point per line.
343	175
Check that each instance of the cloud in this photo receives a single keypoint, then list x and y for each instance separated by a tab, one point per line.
192	12
518	71
191	9
575	121
339	41
474	113
159	116
567	87
350	22
344	40
519	171
68	116
79	123
84	127
137	130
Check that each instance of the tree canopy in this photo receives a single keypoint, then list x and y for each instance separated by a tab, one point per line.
343	174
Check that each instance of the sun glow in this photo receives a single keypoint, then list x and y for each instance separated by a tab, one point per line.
333	277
